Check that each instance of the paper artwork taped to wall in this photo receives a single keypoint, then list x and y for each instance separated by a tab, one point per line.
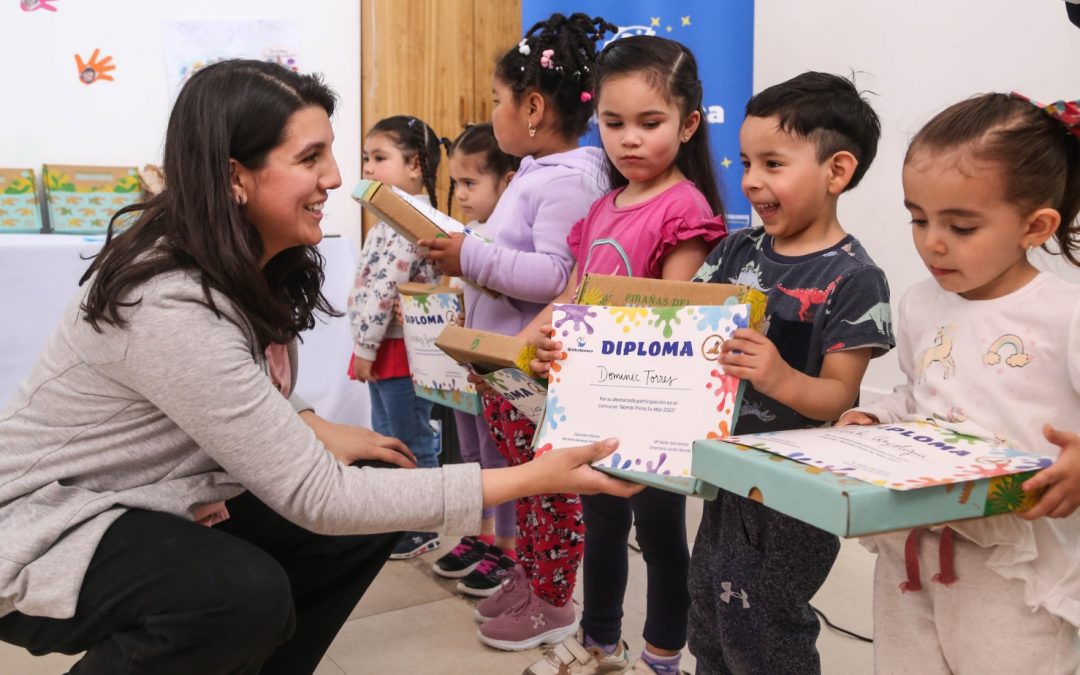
197	43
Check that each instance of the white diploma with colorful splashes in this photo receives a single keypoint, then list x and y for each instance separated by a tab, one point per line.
650	377
904	456
426	311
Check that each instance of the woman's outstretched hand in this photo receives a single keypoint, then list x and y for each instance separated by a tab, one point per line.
562	470
570	470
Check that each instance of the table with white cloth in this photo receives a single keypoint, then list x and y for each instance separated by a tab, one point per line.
39	275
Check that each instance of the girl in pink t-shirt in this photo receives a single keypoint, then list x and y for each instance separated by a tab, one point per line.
659	222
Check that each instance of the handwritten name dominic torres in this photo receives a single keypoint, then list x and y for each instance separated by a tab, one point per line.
649	378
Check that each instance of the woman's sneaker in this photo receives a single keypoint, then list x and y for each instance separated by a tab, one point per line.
462	559
413	544
485	579
531	623
572	657
513	589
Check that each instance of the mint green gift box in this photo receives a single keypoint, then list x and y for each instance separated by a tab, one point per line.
846	506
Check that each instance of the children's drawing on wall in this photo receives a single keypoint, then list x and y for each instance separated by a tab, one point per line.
93	70
35	5
197	43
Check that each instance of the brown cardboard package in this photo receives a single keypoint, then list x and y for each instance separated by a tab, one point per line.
503	361
412	219
611	291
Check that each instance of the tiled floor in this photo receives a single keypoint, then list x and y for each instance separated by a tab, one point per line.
411	621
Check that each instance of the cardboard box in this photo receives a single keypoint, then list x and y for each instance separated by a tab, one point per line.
503	362
598	289
613	291
19	208
846	506
410	216
427	310
83	199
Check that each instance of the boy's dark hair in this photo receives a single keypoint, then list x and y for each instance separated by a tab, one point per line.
573	43
479	139
415	139
827	110
672	69
238	110
1039	159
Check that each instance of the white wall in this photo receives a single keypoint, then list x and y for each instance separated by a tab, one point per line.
48	116
918	56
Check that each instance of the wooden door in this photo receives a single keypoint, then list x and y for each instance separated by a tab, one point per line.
433	59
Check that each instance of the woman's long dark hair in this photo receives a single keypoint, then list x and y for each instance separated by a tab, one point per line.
671	67
230	110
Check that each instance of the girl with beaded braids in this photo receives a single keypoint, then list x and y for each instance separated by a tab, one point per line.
543	90
404	152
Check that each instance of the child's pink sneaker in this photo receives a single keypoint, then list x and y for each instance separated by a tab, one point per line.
530	623
513	589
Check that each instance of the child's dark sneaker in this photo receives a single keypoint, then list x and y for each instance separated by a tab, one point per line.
485	579
413	544
462	559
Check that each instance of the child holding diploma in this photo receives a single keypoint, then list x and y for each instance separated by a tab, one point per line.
404	152
990	346
543	103
803	143
657	223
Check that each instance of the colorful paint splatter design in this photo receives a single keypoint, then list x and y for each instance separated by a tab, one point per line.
436	377
905	456
643	375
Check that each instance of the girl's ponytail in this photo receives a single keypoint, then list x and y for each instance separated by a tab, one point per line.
1068	233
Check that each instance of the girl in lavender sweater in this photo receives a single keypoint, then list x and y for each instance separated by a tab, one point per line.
543	103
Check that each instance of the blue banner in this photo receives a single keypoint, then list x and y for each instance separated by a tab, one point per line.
720	33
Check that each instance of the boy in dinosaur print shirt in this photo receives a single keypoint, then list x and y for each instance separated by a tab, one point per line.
827	316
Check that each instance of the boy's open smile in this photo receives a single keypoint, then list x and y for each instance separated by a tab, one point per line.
788	187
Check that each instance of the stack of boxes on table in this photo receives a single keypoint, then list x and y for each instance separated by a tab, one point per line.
78	199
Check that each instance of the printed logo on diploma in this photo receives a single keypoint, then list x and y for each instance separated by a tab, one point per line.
648	376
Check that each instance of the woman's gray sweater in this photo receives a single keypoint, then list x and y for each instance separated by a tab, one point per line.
174	411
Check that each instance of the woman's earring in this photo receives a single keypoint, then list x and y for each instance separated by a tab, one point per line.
532	129
241	198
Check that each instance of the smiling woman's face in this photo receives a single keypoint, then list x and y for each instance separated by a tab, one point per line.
285	197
